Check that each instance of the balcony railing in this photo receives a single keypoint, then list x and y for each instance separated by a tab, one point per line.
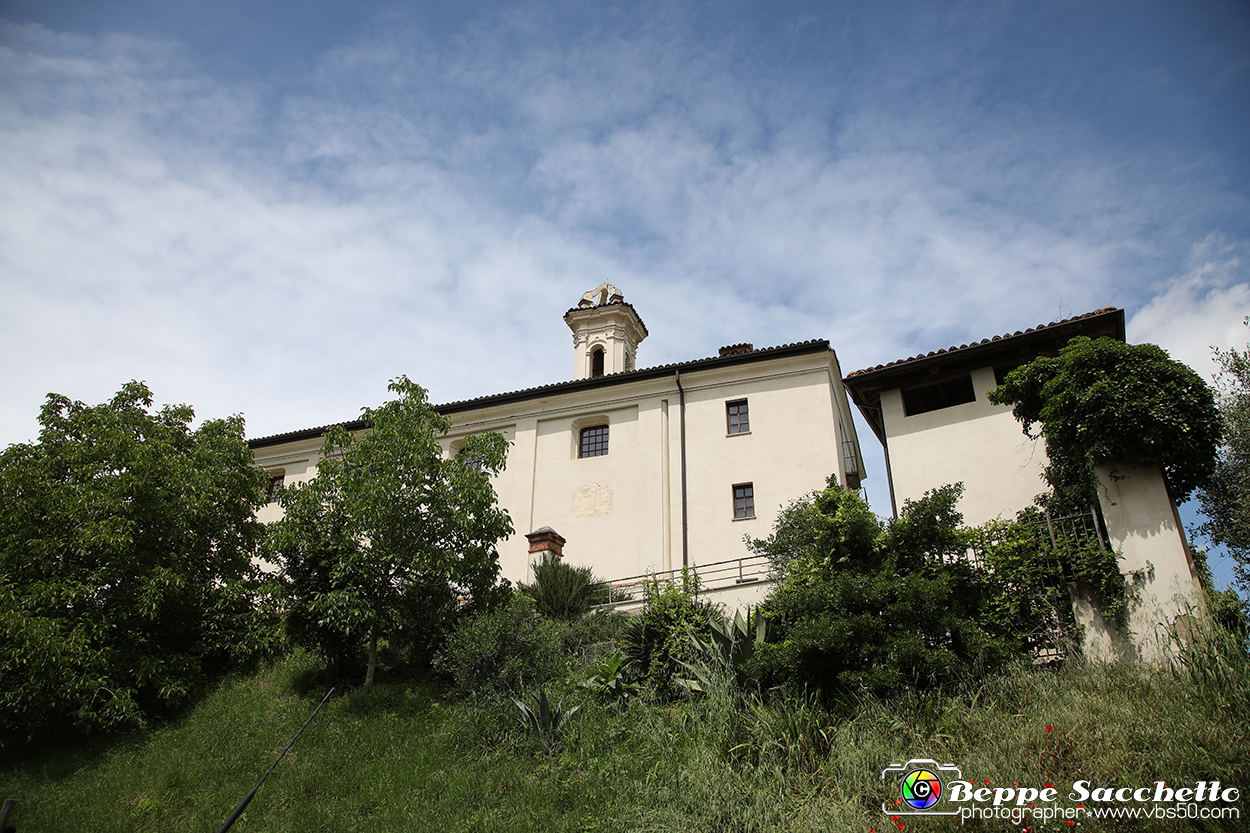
718	575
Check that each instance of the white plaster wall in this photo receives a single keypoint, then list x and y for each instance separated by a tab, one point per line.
621	513
296	462
978	444
1144	529
791	449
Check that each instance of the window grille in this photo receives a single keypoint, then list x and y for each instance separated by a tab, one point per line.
594	441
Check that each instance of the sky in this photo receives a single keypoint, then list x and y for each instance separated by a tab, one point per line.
273	208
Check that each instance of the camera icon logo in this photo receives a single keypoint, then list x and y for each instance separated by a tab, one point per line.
921	785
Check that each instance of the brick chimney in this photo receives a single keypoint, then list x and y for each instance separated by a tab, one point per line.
736	349
547	543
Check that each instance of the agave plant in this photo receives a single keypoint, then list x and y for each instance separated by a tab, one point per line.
609	679
544	719
729	647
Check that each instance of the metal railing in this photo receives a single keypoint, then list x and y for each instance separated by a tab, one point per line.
717	575
1052	532
1075	529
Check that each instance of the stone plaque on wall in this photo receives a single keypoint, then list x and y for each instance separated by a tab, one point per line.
595	499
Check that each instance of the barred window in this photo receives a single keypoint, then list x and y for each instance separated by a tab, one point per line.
594	441
469	459
275	484
744	500
736	414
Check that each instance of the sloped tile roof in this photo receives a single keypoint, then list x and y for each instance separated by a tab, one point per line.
624	377
865	386
953	349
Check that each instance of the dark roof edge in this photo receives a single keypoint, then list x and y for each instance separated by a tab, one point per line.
782	351
865	386
969	352
621	303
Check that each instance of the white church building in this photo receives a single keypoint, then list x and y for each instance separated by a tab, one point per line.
647	470
636	472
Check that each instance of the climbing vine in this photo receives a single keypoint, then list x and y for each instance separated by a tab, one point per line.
1104	401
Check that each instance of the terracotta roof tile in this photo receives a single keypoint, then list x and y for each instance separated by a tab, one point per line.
572	384
953	349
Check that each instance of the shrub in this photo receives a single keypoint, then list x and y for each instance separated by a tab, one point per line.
727	654
660	637
833	526
560	590
543	719
594	634
901	609
503	651
609	679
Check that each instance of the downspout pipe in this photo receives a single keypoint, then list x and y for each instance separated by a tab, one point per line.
889	479
885	446
685	526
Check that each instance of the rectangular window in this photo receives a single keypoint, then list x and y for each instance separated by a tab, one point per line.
736	413
952	392
594	441
275	483
744	500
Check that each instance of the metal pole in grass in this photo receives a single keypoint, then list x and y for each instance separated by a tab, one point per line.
238	811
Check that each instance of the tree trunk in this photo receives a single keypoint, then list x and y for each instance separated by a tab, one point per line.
373	657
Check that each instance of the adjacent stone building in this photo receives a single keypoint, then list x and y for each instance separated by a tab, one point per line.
937	426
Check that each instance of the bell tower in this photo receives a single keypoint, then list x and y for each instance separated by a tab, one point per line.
606	333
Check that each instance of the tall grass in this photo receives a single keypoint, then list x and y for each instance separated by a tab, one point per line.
411	757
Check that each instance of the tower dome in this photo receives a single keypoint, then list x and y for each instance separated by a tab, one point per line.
606	333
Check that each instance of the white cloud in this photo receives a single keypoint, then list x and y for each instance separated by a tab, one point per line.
1203	309
432	208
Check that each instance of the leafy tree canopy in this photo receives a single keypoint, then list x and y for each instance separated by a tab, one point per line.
387	521
1104	401
859	605
827	528
1226	497
917	602
125	537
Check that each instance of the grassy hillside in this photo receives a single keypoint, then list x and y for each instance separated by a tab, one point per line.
410	757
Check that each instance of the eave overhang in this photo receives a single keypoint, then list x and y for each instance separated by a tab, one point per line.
1001	352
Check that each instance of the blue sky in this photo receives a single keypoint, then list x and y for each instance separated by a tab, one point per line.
273	208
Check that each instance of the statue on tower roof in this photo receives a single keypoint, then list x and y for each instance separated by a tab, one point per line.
604	293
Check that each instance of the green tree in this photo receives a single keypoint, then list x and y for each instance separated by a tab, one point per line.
832	526
862	606
1104	401
125	542
1226	497
389	520
658	638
